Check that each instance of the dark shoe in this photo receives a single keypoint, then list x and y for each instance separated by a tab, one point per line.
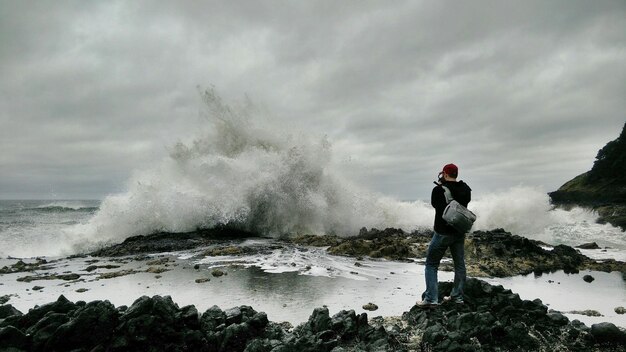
457	300
426	304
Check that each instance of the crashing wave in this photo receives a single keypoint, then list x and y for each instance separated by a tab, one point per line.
252	176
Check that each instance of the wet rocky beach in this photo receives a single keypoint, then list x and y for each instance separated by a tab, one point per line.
495	253
494	318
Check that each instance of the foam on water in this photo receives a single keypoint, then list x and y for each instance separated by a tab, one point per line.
304	260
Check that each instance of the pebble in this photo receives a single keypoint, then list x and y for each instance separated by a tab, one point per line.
588	278
217	272
620	310
370	306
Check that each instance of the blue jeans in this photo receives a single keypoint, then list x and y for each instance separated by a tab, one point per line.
436	250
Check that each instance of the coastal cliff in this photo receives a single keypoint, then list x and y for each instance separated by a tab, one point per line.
603	188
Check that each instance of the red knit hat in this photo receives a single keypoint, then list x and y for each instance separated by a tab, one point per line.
451	170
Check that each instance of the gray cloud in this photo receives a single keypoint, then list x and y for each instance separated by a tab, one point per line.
514	92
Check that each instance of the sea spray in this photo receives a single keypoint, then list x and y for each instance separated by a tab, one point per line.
257	177
519	210
246	171
527	211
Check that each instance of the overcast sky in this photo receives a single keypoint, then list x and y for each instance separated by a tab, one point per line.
514	92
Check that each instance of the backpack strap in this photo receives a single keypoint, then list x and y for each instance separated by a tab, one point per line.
448	194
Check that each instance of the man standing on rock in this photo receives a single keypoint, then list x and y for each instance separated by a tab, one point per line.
444	237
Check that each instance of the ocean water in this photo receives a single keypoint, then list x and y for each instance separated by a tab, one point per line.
40	227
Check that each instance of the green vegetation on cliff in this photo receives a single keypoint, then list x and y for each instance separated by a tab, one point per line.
610	162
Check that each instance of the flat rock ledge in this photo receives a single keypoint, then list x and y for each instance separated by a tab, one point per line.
498	253
170	242
492	319
494	253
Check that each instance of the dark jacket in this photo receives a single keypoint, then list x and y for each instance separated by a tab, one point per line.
461	192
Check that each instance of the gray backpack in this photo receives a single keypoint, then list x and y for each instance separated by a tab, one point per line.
456	215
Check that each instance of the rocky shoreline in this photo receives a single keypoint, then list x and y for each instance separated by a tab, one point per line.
494	253
492	319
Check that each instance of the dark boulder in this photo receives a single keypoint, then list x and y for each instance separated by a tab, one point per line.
153	321
8	310
345	324
34	315
319	320
235	337
10	337
591	245
243	324
4	299
189	316
608	333
45	329
558	318
323	333
89	326
212	318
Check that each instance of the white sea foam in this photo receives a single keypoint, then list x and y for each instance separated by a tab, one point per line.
312	261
